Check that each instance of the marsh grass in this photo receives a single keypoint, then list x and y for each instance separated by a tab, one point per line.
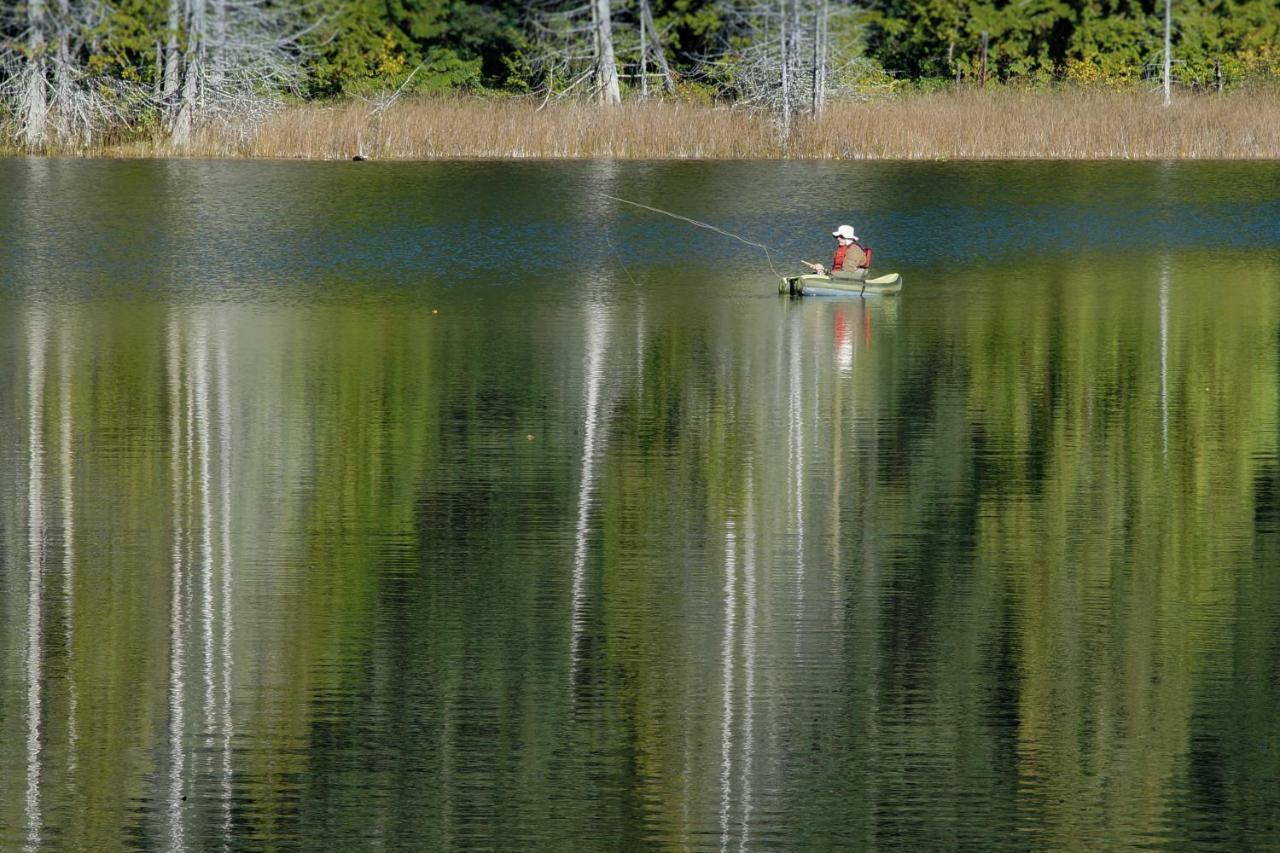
1065	124
967	124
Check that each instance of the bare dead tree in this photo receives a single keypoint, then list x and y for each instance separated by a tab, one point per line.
644	59
792	59
83	103
653	45
776	55
785	35
563	52
193	73
223	61
1168	50
574	49
44	76
239	58
762	63
587	50
63	77
169	86
819	64
33	104
606	65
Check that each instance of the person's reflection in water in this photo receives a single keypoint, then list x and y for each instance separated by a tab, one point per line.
843	335
844	343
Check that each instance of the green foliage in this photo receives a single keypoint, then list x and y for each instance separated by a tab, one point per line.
694	92
1085	42
865	77
689	27
433	45
124	41
930	84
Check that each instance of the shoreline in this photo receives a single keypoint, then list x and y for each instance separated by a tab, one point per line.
995	124
108	156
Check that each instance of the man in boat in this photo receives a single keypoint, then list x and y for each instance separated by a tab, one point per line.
851	259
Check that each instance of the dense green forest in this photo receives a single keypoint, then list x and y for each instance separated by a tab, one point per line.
70	69
497	45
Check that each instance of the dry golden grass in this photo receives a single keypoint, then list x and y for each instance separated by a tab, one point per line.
965	124
1059	125
438	128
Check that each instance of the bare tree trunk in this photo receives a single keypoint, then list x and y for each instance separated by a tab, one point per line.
198	49
794	61
606	65
1168	50
826	51
33	109
644	65
595	41
785	40
219	30
659	56
217	60
169	88
819	58
54	101
815	82
193	74
228	60
64	108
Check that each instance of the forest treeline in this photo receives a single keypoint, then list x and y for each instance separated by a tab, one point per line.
72	71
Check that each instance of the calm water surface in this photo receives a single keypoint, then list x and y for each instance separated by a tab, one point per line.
454	506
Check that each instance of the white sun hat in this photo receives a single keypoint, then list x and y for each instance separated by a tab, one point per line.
845	231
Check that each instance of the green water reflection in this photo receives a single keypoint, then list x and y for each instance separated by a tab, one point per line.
990	565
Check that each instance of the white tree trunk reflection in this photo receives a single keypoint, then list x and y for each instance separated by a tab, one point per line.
65	350
36	334
224	486
727	658
1164	358
795	461
200	367
596	331
748	656
177	673
201	605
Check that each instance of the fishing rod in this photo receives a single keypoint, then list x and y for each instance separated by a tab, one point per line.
821	283
768	256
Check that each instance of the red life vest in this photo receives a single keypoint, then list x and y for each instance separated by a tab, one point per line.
837	263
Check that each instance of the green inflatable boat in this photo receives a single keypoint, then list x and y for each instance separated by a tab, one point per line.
825	285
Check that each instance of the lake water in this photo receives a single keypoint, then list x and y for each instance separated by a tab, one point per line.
425	506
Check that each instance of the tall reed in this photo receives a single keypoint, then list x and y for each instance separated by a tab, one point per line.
963	124
1063	124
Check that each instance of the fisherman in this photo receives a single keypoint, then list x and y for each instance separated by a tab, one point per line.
842	264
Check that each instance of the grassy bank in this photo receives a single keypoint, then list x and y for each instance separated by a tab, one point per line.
965	124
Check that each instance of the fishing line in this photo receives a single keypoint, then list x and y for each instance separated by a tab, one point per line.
617	255
708	226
